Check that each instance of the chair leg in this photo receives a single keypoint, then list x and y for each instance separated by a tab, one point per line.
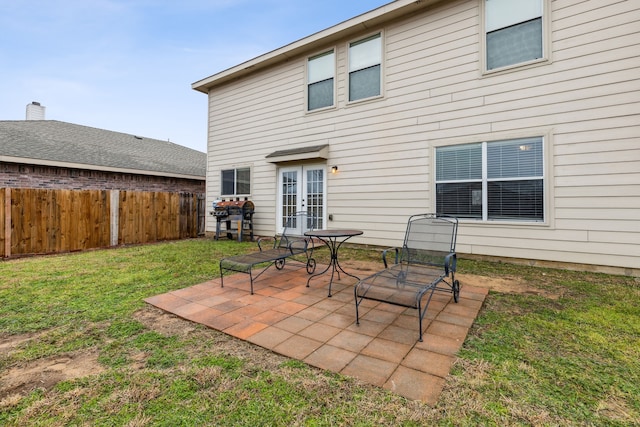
420	320
221	276
355	294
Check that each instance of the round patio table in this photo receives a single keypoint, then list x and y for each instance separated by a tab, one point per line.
333	239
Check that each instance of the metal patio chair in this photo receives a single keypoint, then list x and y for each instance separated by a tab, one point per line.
285	245
426	263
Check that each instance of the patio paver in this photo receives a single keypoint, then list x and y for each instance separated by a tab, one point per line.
285	316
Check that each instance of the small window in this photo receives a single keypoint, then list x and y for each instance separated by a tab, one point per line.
365	63
236	182
320	77
513	32
492	181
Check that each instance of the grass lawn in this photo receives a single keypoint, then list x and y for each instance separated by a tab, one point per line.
567	356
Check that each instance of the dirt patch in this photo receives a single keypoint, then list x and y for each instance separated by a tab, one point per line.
163	323
46	373
11	342
171	325
505	285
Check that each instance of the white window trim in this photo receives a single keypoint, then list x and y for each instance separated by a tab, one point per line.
383	61
301	167
546	43
335	81
235	168
547	167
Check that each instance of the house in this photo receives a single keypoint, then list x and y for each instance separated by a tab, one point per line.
66	187
520	117
54	154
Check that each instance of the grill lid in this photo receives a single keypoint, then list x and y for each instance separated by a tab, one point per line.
245	205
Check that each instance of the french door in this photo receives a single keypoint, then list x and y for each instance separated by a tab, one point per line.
302	189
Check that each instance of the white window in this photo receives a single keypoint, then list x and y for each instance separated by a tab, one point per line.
365	63
514	32
320	78
492	181
236	182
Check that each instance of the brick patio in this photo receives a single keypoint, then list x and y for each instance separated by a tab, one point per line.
288	318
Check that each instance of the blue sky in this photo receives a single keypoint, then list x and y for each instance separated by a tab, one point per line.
128	65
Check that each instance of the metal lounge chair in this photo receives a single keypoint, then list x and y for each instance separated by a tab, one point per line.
426	263
284	246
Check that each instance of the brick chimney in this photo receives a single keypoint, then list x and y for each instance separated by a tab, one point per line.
35	111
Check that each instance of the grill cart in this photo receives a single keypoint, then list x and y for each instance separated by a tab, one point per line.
234	218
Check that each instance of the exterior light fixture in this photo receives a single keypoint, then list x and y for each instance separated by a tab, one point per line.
334	169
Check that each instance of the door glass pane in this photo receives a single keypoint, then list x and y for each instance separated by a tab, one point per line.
289	195
315	196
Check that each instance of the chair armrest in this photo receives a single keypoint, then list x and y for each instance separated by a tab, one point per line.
310	242
450	262
297	243
266	239
384	256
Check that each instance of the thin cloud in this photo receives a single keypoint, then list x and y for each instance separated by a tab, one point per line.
128	65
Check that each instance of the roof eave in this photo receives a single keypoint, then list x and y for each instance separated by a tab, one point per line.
41	162
372	19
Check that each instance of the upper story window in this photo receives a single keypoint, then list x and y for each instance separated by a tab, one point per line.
514	32
320	77
236	182
365	64
492	181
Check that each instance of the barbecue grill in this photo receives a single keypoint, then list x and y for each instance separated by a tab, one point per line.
236	216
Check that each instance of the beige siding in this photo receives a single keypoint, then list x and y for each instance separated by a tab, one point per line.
585	101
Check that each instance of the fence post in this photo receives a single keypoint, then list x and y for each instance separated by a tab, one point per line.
202	214
7	222
114	215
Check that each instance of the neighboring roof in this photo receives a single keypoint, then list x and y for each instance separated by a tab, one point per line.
55	143
369	20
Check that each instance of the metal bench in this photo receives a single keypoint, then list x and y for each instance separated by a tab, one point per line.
286	245
426	263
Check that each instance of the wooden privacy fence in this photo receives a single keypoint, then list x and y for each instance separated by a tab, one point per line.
37	221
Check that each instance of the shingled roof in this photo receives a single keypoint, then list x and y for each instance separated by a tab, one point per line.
55	143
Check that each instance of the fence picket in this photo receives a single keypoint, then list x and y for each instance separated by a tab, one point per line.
5	216
36	221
